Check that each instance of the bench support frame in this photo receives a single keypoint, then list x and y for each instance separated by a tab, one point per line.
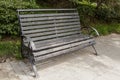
95	50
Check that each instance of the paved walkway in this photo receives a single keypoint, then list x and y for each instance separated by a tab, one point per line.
80	65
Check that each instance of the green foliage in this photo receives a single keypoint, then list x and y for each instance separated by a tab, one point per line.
105	29
8	15
55	3
104	10
86	12
10	49
107	15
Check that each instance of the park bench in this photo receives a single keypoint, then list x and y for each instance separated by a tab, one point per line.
47	33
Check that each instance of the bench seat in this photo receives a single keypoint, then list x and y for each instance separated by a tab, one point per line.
60	41
60	45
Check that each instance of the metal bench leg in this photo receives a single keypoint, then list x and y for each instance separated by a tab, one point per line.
33	65
35	70
94	50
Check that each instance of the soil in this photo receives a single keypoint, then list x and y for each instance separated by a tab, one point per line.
6	59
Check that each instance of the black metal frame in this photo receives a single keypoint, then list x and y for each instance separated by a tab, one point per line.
29	49
88	29
94	50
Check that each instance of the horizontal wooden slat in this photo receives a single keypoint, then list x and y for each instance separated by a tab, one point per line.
22	10
37	59
49	18
41	34
82	42
53	39
44	37
51	29
68	27
68	33
52	25
39	30
52	32
37	43
54	36
78	47
68	30
46	15
53	51
57	39
49	22
57	43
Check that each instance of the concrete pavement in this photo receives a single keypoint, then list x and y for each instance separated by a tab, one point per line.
80	65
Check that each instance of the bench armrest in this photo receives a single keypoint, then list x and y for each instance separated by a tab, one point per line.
31	44
90	31
97	33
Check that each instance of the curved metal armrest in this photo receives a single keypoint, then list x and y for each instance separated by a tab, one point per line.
97	33
90	30
31	44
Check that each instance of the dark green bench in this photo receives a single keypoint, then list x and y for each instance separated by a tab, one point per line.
50	32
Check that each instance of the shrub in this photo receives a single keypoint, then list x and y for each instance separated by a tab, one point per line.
86	12
105	29
8	15
10	49
107	15
89	12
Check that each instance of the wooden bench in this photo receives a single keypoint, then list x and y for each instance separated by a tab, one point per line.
50	32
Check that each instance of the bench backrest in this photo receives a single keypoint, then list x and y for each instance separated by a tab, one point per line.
49	24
